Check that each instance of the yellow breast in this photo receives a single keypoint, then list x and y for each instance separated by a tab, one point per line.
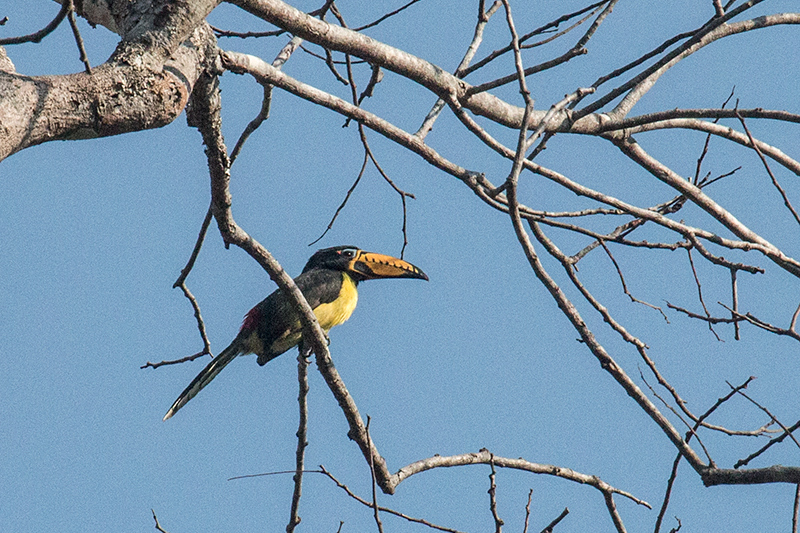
334	313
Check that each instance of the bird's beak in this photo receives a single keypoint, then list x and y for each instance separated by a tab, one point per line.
368	265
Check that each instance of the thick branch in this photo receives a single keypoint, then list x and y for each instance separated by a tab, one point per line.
753	476
133	91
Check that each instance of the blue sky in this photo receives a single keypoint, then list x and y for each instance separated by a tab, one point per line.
94	233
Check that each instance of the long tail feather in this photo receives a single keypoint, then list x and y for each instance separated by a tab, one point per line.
204	378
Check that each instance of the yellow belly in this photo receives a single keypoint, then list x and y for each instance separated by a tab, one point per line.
334	313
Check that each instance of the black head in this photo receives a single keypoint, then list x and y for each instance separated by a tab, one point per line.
361	265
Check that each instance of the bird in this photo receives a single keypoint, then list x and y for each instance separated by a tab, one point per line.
272	327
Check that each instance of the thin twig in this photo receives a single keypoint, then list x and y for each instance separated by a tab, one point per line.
721	261
549	528
700	159
674	410
795	508
77	35
329	62
386	16
44	32
302	434
561	33
528	511
700	293
546	65
383	509
577	50
538	31
181	282
498	522
770	415
705	318
375	78
196	250
368	154
775	183
673	475
403	194
625	286
375	509
175	361
477	39
767	446
346	198
791	332
735	302
266	101
158	526
698	423
201	325
310	52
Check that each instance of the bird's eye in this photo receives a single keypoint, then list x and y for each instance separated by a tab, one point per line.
348	253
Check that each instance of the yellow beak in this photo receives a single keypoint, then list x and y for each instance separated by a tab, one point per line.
369	265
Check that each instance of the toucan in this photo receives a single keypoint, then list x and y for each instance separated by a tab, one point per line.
328	283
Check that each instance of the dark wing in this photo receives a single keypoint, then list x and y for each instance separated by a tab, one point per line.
275	319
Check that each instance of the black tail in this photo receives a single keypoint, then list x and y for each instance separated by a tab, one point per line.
205	377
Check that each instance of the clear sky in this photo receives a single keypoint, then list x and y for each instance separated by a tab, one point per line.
94	233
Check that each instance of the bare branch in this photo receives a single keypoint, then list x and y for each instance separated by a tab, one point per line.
176	361
346	198
632	149
219	32
158	526
375	508
36	37
771	474
767	446
625	286
791	332
77	35
775	183
498	522
302	436
538	31
195	251
549	528
612	510
386	16
485	457
735	301
700	292
201	325
366	503
527	511
477	39
770	415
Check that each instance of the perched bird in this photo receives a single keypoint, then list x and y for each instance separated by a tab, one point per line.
328	283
